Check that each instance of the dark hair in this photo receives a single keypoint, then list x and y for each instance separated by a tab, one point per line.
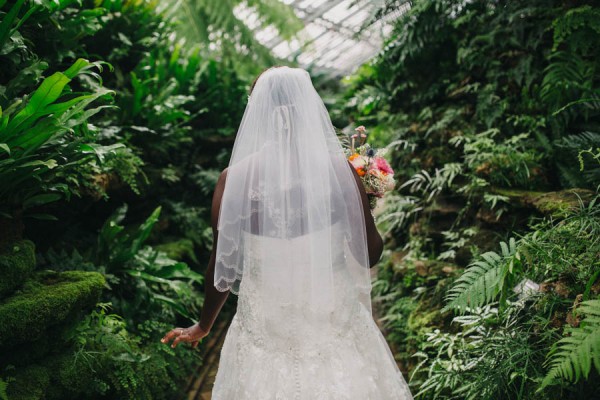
263	71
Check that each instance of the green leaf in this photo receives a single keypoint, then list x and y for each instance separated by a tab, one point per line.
41	199
9	18
483	280
50	90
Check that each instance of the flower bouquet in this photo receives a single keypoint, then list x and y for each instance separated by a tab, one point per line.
375	173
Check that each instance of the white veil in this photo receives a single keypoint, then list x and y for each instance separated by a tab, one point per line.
289	183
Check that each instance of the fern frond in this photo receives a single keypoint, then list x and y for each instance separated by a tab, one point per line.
571	358
483	280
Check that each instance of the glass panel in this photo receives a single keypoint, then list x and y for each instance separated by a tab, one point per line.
328	39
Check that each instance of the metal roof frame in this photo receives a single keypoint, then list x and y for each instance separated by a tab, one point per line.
332	41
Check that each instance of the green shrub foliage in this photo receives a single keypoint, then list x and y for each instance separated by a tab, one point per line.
103	103
17	262
490	110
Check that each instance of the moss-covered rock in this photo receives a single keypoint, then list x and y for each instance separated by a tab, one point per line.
17	261
46	300
60	376
29	383
559	204
548	203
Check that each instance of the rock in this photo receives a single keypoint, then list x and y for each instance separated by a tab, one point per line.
573	318
485	240
434	268
488	216
48	299
17	261
560	288
421	268
560	203
398	256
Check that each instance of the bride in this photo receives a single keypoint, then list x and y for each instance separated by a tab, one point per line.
295	240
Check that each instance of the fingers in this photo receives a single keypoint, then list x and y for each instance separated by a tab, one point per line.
181	338
180	335
170	335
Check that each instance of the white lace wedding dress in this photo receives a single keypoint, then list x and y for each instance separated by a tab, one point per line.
286	352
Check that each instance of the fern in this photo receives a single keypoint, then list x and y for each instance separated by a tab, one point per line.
579	27
571	358
580	158
484	279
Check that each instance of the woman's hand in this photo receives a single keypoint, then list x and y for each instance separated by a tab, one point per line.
192	335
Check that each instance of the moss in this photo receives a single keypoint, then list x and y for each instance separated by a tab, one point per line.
421	320
517	195
29	383
46	300
17	262
557	204
63	376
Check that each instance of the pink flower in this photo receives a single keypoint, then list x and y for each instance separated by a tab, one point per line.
383	165
361	129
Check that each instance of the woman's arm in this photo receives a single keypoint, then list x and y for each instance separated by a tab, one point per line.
374	240
213	298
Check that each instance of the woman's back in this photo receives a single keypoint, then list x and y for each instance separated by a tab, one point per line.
293	245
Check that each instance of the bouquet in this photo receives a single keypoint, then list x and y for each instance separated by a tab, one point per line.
375	173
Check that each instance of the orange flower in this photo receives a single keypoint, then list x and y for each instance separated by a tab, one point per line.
353	156
361	171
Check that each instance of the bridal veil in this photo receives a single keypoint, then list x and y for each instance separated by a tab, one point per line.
289	184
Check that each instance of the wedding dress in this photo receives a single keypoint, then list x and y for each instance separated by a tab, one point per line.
298	354
292	246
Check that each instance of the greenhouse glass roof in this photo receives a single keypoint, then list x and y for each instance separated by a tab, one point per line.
338	35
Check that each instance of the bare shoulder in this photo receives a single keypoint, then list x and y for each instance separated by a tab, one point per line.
224	173
222	178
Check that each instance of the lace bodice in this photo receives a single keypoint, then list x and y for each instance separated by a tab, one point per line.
270	302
